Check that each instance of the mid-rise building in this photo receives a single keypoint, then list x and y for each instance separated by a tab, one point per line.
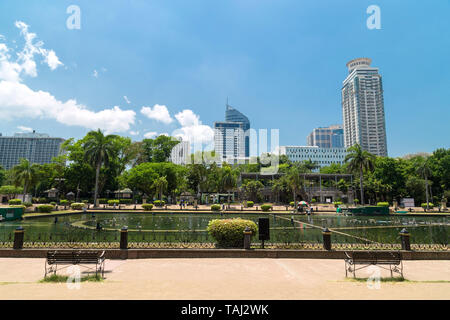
181	153
229	140
327	137
36	147
320	156
363	108
233	115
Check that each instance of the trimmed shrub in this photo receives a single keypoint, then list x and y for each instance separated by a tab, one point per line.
53	203
355	201
313	200
15	202
77	206
84	201
125	201
292	203
159	203
230	232
147	206
102	201
337	203
250	204
45	208
112	202
424	205
64	202
27	204
215	207
383	204
266	207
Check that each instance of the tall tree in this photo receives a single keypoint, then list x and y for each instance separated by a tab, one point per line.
228	180
98	150
360	160
423	169
160	186
25	174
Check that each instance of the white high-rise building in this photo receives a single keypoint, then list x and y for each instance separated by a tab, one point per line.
229	140
181	153
363	108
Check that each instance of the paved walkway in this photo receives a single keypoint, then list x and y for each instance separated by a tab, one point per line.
225	279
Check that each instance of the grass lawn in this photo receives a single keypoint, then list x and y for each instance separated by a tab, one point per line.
56	278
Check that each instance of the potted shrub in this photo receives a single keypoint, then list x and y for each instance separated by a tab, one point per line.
229	233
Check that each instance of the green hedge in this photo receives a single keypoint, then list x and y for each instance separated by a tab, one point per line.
27	204
147	206
102	201
159	203
424	205
112	202
215	207
15	202
250	204
337	203
266	207
77	206
383	204
230	232
125	201
64	202
45	208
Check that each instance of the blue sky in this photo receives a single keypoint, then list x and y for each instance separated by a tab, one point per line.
281	63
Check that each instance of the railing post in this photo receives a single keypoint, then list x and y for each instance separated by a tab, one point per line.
18	238
404	235
326	239
247	238
124	238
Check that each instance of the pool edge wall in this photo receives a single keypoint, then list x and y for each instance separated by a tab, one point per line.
219	253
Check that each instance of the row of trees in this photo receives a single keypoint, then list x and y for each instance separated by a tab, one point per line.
97	165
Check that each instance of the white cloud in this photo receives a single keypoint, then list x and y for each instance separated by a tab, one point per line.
126	99
95	74
192	128
134	133
150	134
158	112
19	101
24	129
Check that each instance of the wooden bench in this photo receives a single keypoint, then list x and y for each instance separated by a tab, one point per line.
75	257
368	258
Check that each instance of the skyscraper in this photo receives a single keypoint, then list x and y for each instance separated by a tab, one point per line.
233	115
36	147
327	137
181	153
363	108
229	140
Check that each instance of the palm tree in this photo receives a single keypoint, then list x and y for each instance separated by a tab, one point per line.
228	181
25	174
160	184
424	170
295	182
360	160
98	150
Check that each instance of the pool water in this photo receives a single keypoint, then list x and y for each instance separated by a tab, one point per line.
191	227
